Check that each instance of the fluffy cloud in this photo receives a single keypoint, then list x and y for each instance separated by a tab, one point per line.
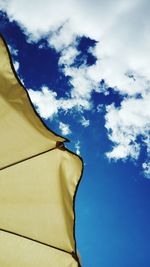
45	101
65	129
125	125
68	55
121	27
82	84
48	105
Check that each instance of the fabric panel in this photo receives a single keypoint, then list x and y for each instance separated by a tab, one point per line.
36	198
22	132
21	252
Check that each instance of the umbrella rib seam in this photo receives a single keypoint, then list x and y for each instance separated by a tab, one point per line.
20	161
37	241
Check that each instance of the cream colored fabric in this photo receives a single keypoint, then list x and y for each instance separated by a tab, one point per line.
21	131
36	194
36	198
17	252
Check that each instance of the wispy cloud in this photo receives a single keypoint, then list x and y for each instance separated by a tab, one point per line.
65	128
13	51
84	122
16	65
77	147
146	169
14	54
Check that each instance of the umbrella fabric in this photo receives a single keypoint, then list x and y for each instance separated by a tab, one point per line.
38	182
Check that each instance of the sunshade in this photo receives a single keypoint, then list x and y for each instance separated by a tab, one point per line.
38	182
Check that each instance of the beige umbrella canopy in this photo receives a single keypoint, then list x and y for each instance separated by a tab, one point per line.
38	182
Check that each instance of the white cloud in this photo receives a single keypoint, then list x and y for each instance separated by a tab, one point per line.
48	105
22	81
68	55
13	51
77	147
65	128
100	108
84	122
125	124
146	169
45	102
123	151
16	65
121	27
38	17
82	85
62	37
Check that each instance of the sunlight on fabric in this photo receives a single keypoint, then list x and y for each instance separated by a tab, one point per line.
38	182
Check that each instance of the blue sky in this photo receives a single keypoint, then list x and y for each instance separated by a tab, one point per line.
87	74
